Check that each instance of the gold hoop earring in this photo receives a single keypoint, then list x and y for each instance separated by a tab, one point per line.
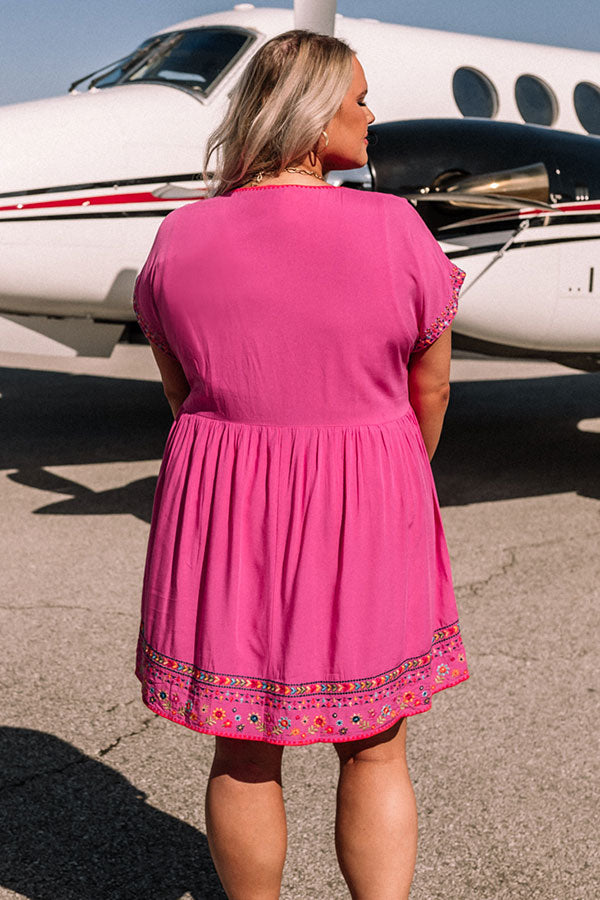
311	161
326	137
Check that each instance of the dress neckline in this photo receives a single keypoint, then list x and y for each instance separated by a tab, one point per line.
265	187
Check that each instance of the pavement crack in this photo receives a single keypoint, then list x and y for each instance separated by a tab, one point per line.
23	782
144	727
59	771
476	587
110	747
117	705
569	536
37	606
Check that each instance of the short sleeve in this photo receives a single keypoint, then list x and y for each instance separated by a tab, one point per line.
438	282
145	292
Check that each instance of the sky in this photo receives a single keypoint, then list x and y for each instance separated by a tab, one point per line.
46	44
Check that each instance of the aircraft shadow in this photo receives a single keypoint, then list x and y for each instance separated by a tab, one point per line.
508	439
134	498
57	419
75	829
502	439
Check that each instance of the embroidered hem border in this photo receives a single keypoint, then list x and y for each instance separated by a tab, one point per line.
457	276
292	714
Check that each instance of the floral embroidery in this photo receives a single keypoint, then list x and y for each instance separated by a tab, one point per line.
262	709
155	337
457	276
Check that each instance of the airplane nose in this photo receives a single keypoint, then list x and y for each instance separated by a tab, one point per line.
102	136
79	192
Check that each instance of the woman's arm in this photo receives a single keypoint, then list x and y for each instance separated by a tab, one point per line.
175	384
429	388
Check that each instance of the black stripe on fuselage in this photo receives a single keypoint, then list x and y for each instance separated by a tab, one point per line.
123	214
518	245
508	225
96	185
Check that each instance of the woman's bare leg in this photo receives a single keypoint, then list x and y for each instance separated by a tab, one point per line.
376	818
245	818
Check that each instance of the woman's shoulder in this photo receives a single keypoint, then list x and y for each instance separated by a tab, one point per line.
374	198
191	210
223	204
382	205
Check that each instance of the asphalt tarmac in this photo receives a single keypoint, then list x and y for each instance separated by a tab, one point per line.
102	800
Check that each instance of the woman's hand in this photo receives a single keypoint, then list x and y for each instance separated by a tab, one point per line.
175	384
429	388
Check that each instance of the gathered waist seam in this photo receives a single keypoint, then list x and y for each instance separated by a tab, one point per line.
347	425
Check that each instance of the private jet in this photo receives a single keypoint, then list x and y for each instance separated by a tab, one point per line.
495	142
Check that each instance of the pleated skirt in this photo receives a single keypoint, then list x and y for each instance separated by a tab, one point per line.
297	586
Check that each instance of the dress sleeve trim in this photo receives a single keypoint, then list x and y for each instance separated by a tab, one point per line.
155	337
457	276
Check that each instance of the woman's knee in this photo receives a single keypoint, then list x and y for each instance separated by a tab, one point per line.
247	760
385	746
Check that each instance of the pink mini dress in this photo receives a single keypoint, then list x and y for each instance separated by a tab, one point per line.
297	586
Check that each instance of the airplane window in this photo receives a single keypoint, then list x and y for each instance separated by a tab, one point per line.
536	100
193	59
586	97
125	65
474	93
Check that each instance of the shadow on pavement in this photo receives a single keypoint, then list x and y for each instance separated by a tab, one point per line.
501	440
56	419
134	498
519	438
75	829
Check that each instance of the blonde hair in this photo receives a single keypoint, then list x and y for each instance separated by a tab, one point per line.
291	88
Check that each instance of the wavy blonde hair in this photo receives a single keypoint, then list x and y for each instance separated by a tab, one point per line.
291	88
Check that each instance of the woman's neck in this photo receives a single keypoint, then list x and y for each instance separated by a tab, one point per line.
294	177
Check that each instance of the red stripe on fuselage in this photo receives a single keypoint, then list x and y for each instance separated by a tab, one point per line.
115	199
73	203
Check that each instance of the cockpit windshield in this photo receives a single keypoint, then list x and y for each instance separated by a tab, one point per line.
194	60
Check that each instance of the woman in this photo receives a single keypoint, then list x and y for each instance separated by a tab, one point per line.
297	585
